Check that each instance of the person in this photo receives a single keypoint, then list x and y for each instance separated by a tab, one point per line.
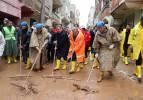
49	46
38	43
124	43
77	49
106	44
87	38
5	21
54	32
62	48
2	45
33	26
95	60
11	49
136	41
23	42
92	34
48	22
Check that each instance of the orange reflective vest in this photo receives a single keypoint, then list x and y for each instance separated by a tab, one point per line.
77	46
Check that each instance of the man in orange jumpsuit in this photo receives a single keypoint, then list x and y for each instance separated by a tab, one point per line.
77	49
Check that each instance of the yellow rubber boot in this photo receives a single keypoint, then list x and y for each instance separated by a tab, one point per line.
86	61
15	60
95	64
72	70
139	70
100	77
58	65
79	67
92	56
65	65
136	72
9	60
126	61
28	64
132	56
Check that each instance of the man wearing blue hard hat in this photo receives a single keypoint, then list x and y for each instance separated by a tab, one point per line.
23	42
39	39
106	45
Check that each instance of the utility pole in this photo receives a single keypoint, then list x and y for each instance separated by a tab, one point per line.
42	13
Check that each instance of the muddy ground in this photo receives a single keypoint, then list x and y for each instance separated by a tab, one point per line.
121	87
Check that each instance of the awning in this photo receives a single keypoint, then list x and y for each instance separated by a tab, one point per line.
10	9
125	7
26	11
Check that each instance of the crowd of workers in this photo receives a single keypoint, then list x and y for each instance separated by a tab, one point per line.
41	44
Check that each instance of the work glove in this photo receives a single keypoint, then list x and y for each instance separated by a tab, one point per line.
111	46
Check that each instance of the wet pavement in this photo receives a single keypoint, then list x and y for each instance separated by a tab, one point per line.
122	86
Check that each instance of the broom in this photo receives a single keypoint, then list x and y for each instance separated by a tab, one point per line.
27	85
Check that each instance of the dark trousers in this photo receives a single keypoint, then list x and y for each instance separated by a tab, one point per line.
50	52
25	54
92	50
139	61
61	54
74	57
125	47
86	51
41	59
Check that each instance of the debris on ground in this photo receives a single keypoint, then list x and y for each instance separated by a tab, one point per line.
59	77
86	89
26	87
19	77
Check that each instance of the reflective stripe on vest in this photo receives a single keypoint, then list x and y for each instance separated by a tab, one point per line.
9	34
79	56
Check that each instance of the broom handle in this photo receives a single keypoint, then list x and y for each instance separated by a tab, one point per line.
54	59
90	73
89	76
20	58
35	60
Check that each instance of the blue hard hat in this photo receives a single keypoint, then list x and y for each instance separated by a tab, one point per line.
39	25
100	24
34	23
23	23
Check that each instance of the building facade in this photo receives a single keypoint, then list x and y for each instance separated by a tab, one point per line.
122	11
91	16
10	9
57	11
126	12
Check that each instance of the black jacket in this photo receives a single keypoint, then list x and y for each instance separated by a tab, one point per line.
62	41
